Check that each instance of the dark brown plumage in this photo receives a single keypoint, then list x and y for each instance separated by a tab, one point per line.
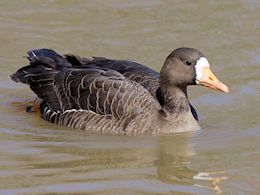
113	96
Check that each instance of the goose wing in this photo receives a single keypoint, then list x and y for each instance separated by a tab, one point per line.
139	73
63	86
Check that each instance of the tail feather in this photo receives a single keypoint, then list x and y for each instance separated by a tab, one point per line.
47	57
41	61
22	74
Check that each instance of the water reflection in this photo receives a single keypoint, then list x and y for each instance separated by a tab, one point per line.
173	166
213	177
174	159
162	162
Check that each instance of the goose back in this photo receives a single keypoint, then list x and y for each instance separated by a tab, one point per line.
139	73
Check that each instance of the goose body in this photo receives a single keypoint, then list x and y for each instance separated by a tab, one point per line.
116	96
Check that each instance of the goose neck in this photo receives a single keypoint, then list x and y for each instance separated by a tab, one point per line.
175	99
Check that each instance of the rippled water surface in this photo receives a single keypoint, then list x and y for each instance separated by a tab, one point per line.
40	158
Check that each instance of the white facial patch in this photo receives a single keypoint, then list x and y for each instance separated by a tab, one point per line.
200	65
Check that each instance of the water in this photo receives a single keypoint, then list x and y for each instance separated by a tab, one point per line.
37	157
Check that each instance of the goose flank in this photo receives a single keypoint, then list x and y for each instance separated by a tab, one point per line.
122	97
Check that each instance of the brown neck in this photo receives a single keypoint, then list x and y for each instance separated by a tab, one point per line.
173	99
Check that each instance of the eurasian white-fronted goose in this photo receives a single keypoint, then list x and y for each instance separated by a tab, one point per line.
116	96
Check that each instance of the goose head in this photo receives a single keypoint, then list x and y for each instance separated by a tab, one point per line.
188	66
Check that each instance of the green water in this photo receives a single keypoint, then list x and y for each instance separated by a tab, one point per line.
40	158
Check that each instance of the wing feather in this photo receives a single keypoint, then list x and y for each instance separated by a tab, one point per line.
86	94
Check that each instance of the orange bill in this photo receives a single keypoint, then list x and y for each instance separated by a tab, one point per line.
208	79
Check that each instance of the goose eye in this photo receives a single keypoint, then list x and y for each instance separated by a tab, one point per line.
187	62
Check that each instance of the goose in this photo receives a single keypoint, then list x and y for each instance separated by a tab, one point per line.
120	97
